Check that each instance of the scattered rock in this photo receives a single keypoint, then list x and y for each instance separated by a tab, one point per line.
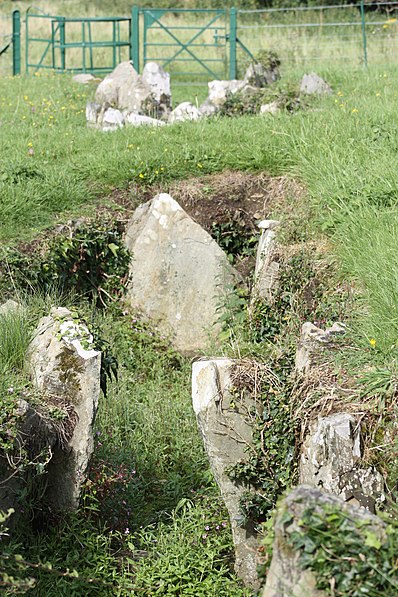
220	90
272	108
331	461
226	429
85	78
286	578
312	84
159	83
258	76
179	274
140	120
312	343
64	365
127	93
111	120
184	111
267	268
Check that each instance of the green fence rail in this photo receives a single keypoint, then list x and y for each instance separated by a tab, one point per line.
72	44
203	43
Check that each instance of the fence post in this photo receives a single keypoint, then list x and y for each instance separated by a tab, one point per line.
16	42
135	38
365	50
62	42
232	43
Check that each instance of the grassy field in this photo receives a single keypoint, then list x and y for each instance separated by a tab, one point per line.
153	485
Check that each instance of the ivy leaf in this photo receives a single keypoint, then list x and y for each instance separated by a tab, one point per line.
114	248
372	540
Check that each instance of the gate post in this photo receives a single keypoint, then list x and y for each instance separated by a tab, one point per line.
232	42
16	42
135	38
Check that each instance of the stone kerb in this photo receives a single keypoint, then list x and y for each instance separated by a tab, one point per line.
179	275
64	366
226	430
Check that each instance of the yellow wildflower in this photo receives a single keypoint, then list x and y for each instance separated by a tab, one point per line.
372	342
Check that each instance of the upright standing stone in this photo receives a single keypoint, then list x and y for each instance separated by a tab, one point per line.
64	365
178	275
267	267
226	428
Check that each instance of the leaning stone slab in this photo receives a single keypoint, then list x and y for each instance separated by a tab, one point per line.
258	76
313	84
178	275
286	578
267	267
64	365
331	460
226	429
159	83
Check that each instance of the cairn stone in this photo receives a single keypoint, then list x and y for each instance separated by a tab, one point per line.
226	429
178	275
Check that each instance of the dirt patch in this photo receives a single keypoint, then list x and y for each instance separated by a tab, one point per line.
217	202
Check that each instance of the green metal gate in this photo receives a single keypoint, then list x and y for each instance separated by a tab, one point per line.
67	44
187	42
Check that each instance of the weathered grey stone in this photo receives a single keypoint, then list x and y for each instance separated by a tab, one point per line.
92	112
313	341
267	268
178	274
159	83
140	120
226	427
111	120
331	461
184	111
312	84
85	78
219	91
10	306
272	108
285	577
126	90
257	75
208	109
64	365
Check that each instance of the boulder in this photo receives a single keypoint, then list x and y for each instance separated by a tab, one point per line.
267	267
312	343
313	84
286	578
226	428
125	90
331	460
178	275
184	111
65	367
